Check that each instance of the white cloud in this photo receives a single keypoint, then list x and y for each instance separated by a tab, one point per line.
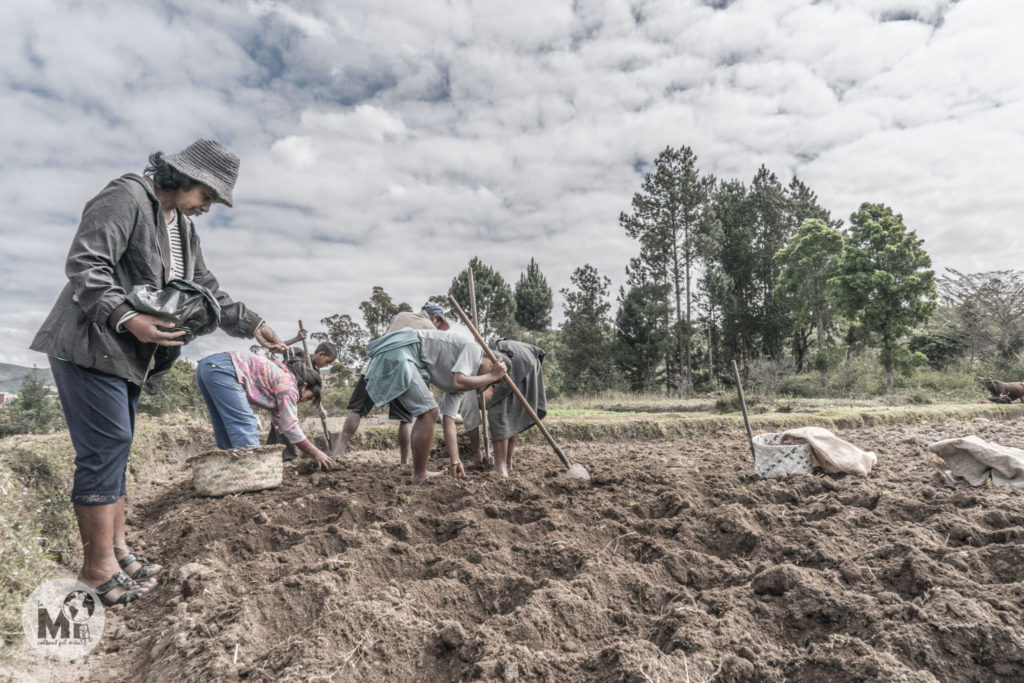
387	143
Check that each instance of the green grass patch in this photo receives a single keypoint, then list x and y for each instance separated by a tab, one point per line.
580	424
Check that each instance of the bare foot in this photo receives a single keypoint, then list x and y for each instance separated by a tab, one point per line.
499	472
419	479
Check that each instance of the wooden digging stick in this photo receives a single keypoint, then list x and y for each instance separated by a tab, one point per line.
511	384
743	406
480	400
309	364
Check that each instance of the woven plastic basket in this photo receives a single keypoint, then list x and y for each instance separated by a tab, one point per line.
217	473
772	459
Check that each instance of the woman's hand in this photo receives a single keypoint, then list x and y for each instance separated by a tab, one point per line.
498	370
154	330
268	339
322	460
456	470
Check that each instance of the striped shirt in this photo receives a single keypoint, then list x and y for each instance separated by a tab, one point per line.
174	235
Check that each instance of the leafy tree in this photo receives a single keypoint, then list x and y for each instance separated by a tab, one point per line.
35	410
983	313
178	392
884	279
533	299
495	302
668	219
747	227
640	338
941	349
808	262
346	335
586	360
379	311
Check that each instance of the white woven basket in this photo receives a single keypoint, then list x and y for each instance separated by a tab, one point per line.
772	459
217	473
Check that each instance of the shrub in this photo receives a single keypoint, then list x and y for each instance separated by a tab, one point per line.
36	410
178	392
800	386
765	375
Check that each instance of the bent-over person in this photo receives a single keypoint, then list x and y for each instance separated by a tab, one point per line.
506	416
430	317
404	362
233	382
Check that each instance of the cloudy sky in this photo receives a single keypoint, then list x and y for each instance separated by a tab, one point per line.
387	142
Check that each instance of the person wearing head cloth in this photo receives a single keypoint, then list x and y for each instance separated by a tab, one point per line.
137	231
506	416
430	317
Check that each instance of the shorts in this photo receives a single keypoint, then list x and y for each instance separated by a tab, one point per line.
417	399
100	413
360	402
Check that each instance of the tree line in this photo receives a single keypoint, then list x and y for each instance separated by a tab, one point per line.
726	270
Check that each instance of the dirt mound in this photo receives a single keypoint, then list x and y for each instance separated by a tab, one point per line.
673	563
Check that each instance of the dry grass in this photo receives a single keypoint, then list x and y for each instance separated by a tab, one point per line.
38	532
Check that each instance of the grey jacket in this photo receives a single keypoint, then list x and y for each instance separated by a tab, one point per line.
120	243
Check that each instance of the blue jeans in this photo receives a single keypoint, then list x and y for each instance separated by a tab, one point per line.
100	412
234	423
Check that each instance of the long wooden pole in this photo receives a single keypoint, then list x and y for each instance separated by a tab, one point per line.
743	406
480	400
512	385
309	364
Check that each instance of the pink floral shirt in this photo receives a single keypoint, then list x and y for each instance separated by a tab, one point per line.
268	384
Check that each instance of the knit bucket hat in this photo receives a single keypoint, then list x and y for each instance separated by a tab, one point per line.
209	162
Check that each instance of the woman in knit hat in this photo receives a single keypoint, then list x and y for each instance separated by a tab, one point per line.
137	231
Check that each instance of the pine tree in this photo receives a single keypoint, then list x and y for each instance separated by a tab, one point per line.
733	262
640	338
772	226
586	361
495	302
33	411
668	220
533	299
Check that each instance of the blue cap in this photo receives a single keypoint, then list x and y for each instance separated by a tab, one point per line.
434	309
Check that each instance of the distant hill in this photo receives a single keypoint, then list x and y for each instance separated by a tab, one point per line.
13	376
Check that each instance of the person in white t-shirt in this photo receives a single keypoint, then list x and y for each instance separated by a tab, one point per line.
401	365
